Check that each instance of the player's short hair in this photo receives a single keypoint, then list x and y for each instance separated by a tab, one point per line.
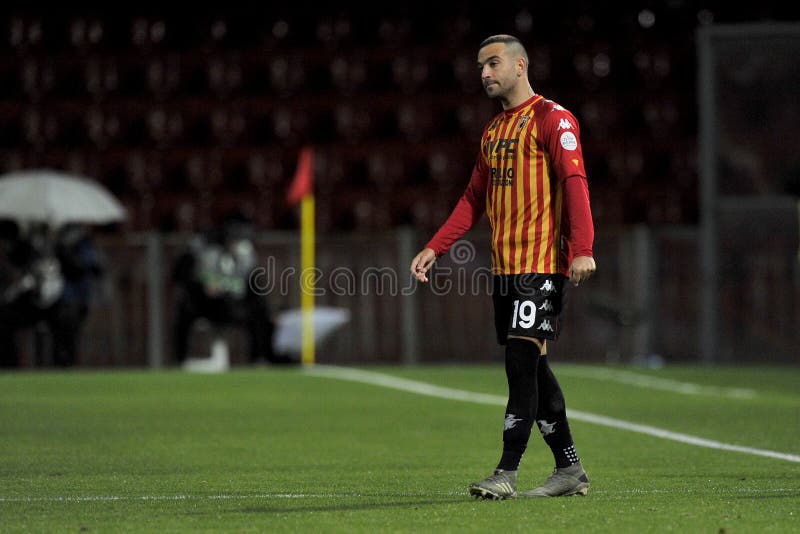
515	45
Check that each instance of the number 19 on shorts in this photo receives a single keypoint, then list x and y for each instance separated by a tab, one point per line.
524	314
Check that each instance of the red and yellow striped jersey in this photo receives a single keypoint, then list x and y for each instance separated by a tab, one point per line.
527	154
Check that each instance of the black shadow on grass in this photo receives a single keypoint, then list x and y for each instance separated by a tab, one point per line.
371	505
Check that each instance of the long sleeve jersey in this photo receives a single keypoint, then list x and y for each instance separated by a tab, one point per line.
529	178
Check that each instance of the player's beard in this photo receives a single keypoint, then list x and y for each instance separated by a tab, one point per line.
494	90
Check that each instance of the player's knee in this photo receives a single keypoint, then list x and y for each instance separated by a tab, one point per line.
551	406
540	344
554	405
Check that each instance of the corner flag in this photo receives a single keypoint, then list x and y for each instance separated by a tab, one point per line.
302	190
303	182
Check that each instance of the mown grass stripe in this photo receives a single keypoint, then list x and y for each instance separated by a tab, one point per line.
422	388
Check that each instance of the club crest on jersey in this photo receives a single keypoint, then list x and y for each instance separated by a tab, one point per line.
523	121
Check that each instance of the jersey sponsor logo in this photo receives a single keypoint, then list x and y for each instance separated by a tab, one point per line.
501	147
564	124
510	422
545	326
502	177
569	141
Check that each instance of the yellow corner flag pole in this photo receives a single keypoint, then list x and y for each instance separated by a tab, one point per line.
302	191
307	277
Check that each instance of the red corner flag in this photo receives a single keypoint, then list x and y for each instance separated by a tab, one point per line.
303	182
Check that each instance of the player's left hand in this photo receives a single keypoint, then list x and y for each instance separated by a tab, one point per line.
582	268
422	263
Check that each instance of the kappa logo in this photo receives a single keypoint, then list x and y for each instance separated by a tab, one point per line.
546	306
546	326
547	286
510	422
564	124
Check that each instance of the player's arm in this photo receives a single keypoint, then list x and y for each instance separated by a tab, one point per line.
562	133
467	212
579	214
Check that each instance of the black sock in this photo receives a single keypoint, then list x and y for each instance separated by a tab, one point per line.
522	358
552	418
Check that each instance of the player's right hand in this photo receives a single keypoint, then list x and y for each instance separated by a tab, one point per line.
422	263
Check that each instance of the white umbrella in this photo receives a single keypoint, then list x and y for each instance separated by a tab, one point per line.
56	198
288	337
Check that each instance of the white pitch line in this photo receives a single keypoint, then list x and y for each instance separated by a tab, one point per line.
422	388
655	382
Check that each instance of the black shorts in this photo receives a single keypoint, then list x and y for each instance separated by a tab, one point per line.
528	305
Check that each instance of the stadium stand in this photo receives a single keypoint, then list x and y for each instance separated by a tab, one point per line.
166	105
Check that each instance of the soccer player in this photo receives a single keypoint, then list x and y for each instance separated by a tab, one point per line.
529	179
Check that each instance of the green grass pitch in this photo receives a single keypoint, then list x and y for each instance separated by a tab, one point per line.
283	450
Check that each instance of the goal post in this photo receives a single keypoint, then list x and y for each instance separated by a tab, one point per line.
749	171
